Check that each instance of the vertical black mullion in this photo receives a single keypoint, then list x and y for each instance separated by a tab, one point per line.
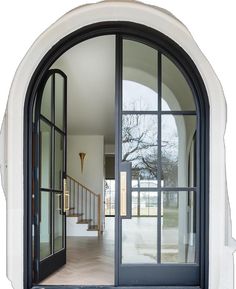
138	211
159	167
118	144
53	161
51	186
65	153
198	205
37	193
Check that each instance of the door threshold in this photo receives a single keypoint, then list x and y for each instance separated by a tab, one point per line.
111	287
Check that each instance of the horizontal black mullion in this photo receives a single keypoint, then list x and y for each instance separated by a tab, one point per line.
51	190
177	112
164	112
144	189
140	112
185	189
50	123
59	130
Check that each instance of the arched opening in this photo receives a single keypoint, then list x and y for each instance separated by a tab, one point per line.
176	187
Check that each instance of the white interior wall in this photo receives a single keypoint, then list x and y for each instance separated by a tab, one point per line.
93	173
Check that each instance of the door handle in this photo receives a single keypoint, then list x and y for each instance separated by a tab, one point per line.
66	199
125	190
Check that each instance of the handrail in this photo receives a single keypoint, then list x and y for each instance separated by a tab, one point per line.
77	182
84	204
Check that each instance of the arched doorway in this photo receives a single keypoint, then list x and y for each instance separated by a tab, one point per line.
181	178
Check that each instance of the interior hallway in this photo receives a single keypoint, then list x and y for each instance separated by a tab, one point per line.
90	260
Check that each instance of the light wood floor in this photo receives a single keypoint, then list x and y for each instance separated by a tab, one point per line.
90	261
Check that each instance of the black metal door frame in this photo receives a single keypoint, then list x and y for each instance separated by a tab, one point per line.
167	46
158	273
42	268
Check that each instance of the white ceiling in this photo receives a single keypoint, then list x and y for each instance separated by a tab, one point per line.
90	69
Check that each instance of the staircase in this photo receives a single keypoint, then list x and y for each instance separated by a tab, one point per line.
85	205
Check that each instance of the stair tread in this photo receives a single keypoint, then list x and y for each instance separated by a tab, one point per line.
75	215
84	221
93	228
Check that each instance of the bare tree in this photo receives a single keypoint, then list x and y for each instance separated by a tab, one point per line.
140	146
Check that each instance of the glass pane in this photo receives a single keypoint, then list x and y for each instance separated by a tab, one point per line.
59	160
178	227
148	203
59	101
109	197
46	104
176	92
58	223
135	204
45	145
45	225
178	151
139	76
139	235
139	146
139	240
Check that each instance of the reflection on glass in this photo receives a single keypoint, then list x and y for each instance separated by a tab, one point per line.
148	203
178	158
139	240
45	144
192	179
176	92
109	197
46	104
135	204
59	101
45	225
178	227
139	146
59	145
144	204
139	76
58	223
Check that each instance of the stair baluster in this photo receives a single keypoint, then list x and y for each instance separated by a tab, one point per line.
85	205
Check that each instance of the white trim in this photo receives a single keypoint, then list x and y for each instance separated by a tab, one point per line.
221	245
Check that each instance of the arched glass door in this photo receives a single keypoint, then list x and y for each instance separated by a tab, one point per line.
50	198
161	163
158	226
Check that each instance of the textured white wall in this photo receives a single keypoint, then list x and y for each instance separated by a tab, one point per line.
221	247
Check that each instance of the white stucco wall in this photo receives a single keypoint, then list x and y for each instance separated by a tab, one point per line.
93	174
3	154
221	244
